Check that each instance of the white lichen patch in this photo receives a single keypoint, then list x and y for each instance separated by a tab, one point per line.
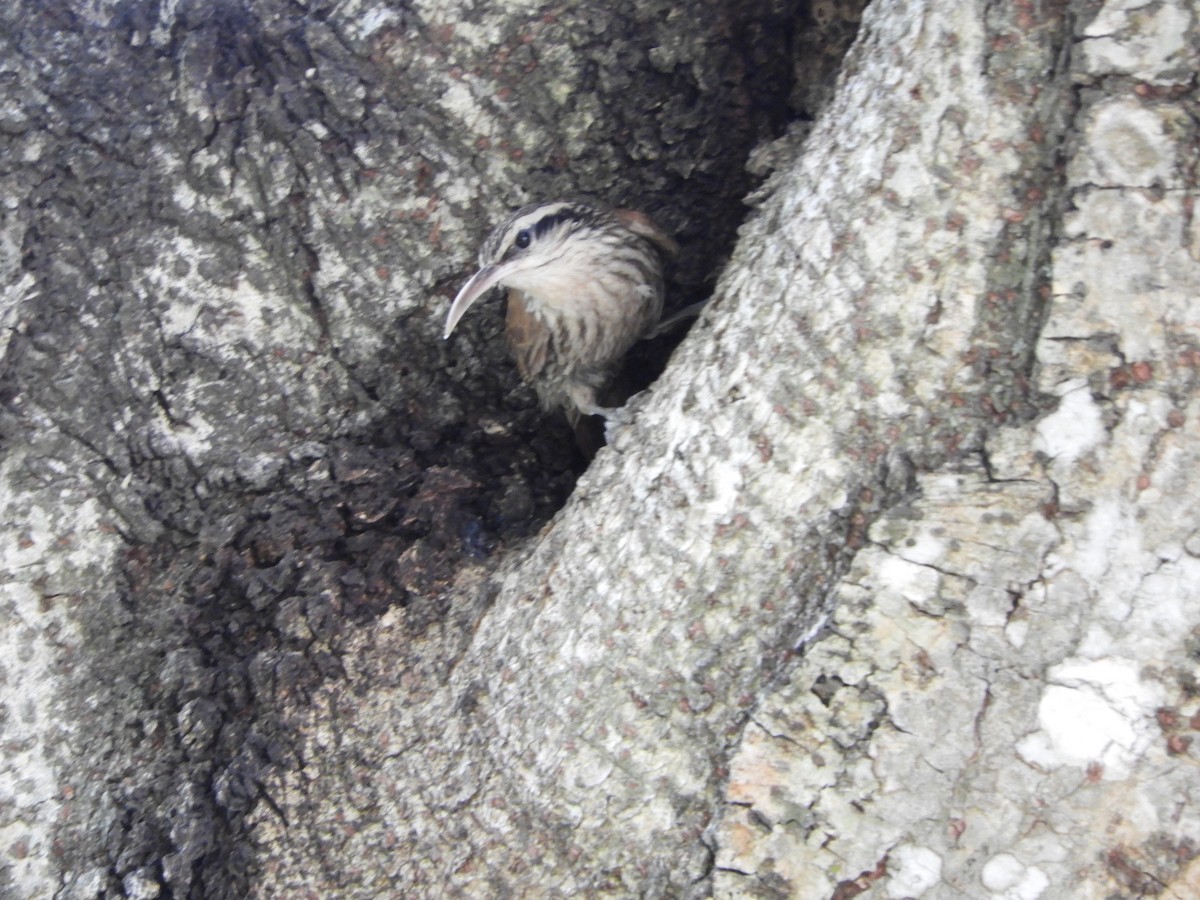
1010	879
460	103
1094	712
1125	273
366	22
912	871
1149	41
1130	147
1075	428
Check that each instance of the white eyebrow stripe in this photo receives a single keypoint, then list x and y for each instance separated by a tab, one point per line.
529	221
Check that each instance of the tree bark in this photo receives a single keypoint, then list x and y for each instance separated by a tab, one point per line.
890	589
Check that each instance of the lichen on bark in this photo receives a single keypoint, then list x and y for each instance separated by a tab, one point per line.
898	549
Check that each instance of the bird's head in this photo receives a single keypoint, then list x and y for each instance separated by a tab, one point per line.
539	249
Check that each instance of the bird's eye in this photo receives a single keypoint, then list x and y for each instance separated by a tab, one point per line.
523	238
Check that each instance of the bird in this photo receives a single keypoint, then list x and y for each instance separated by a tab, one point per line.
584	284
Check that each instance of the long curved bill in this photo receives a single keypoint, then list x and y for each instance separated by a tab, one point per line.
478	285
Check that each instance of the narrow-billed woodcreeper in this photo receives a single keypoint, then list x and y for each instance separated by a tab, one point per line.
584	284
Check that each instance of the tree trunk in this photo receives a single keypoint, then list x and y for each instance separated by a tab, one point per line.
891	589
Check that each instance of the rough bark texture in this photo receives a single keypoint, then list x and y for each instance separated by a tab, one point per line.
1005	701
232	437
890	590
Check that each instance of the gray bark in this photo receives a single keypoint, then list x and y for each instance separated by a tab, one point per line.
232	435
890	590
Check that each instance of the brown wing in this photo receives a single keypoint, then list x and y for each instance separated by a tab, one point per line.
641	224
527	335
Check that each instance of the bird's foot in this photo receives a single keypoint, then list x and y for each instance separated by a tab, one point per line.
616	423
616	419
